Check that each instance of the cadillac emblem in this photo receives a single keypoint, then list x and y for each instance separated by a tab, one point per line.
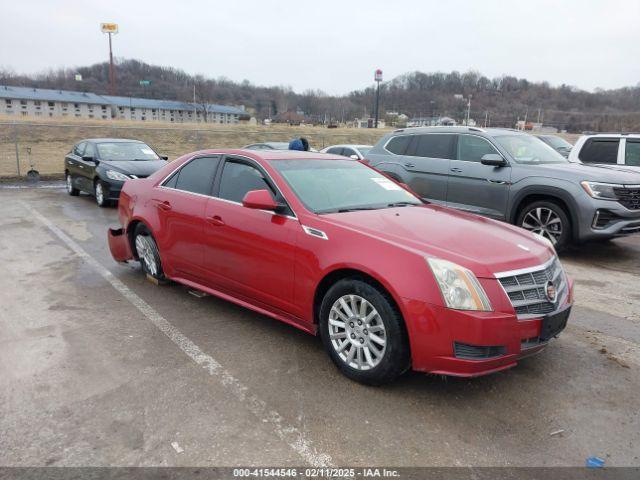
550	292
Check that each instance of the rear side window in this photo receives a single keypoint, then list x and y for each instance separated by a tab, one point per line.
196	176
632	153
472	148
433	145
398	145
335	150
600	150
238	179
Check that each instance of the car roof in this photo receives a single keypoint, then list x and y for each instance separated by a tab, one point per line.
351	145
460	129
611	134
272	154
110	140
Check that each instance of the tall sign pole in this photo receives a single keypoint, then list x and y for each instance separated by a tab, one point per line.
110	29
378	78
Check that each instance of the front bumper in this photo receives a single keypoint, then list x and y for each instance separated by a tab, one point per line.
119	245
112	188
608	219
453	342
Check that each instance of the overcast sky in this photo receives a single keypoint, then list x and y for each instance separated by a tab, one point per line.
334	45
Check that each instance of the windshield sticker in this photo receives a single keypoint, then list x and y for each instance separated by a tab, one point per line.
386	183
148	151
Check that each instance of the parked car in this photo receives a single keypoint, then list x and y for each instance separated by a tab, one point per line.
559	144
100	166
356	152
613	150
268	146
331	246
512	176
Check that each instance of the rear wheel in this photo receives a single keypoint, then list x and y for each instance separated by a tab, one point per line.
71	190
100	194
363	332
148	254
547	219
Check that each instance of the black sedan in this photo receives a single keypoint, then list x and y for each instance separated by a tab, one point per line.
100	166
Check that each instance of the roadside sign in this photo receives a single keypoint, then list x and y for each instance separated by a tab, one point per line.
109	27
145	83
78	77
378	75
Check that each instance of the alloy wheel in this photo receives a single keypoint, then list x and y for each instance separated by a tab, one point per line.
146	254
99	194
544	222
69	184
357	333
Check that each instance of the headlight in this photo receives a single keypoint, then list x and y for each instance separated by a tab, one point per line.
113	175
459	286
602	191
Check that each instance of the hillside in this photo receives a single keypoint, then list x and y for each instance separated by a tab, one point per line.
501	100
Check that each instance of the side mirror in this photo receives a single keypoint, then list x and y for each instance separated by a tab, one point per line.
164	157
90	159
260	200
493	160
354	157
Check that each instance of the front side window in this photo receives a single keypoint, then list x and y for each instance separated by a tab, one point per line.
527	149
600	150
632	153
126	151
89	151
238	178
79	148
196	176
472	148
433	145
329	186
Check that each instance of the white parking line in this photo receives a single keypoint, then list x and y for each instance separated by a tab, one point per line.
288	433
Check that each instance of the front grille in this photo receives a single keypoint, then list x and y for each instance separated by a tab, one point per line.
628	197
527	290
474	352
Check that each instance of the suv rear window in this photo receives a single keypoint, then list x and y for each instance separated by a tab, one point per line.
398	145
600	150
433	145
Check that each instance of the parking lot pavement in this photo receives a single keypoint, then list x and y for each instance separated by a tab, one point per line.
100	367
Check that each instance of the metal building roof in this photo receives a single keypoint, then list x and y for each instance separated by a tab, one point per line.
43	94
47	95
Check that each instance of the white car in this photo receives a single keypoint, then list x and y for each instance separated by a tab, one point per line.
618	150
357	152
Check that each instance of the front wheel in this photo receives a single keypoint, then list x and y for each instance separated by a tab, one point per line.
363	332
148	254
71	190
547	219
100	194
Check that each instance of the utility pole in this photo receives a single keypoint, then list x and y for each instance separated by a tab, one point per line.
195	111
110	29
486	118
378	78
468	109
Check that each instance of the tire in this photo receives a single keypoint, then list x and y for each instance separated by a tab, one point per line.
548	219
71	190
371	363
147	252
100	194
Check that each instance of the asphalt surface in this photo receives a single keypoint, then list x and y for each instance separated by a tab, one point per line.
100	367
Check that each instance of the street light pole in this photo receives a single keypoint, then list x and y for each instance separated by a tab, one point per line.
109	29
378	78
468	109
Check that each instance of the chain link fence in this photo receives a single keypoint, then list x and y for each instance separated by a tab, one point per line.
43	146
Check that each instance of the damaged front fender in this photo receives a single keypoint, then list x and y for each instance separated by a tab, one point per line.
119	245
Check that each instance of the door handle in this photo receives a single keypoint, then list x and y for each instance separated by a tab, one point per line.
216	221
80	166
409	165
456	170
166	206
499	182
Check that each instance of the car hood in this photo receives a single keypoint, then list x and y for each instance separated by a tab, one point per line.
482	245
621	168
139	168
580	171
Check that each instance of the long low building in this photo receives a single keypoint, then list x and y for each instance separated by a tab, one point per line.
41	102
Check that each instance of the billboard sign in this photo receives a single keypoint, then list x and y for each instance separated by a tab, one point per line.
378	75
109	27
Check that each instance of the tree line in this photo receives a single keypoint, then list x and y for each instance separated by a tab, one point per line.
498	101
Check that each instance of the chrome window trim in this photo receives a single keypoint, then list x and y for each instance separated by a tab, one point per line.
170	174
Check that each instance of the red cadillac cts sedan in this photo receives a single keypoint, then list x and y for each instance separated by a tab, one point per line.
333	247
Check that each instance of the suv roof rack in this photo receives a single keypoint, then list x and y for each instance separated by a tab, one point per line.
610	133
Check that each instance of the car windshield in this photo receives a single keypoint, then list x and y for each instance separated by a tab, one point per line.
327	186
529	149
125	151
557	142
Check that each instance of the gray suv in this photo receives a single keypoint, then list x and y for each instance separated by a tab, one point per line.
512	176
